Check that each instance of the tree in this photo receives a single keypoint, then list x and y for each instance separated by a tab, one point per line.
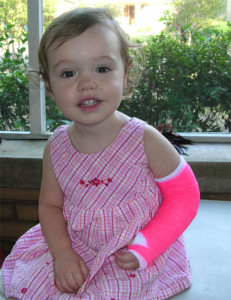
14	12
195	13
49	9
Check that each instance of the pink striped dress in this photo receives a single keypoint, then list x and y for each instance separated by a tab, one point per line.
109	197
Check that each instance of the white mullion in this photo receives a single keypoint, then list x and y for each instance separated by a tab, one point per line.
36	86
228	10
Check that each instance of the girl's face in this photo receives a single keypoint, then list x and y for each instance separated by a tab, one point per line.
87	76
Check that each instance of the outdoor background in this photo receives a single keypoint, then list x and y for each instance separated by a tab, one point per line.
186	79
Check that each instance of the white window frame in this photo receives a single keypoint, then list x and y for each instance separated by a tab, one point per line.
37	90
36	86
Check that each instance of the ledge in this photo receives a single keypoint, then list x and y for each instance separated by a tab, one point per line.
21	165
208	246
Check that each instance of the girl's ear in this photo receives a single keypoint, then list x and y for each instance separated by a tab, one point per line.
48	88
126	73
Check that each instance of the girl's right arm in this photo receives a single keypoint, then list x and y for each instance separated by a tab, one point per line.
70	269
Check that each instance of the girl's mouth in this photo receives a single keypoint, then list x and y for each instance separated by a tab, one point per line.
89	103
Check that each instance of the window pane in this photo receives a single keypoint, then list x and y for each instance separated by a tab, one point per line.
52	9
187	81
14	95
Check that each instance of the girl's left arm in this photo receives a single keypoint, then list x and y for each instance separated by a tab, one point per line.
162	156
180	199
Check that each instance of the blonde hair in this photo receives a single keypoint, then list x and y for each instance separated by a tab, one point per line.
75	22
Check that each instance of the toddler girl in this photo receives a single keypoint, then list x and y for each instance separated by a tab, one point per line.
115	195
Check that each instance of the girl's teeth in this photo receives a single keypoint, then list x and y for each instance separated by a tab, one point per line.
89	102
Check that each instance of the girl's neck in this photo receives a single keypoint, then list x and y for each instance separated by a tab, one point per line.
94	138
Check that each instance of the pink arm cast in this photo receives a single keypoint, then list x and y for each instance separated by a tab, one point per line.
181	197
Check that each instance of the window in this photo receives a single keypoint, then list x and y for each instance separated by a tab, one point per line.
37	91
36	88
129	12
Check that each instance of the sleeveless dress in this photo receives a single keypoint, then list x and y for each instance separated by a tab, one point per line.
109	197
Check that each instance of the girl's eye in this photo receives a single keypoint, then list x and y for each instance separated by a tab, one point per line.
102	69
68	74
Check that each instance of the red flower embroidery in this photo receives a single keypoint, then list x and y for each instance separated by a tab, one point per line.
95	182
24	290
82	182
132	275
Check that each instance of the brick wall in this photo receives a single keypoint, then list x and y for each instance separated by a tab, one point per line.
20	180
18	213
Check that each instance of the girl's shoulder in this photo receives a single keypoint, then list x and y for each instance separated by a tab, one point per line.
58	142
61	130
59	135
162	156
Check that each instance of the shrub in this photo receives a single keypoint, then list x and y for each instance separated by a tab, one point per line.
187	85
54	115
14	88
14	94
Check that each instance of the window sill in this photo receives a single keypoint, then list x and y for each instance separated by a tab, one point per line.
195	137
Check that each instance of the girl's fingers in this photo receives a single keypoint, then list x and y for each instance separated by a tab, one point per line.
58	284
124	257
79	279
126	261
70	272
74	282
84	270
79	276
63	286
128	266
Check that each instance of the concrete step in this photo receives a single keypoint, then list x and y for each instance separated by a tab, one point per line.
208	244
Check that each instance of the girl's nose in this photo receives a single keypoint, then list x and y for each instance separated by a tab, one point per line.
86	83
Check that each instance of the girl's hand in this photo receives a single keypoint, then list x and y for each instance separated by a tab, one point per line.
126	261
70	271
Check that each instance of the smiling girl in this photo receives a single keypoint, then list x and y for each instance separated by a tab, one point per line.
115	195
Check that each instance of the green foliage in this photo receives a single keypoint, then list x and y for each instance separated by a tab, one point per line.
188	86
14	95
15	12
49	10
185	84
196	12
54	115
14	88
